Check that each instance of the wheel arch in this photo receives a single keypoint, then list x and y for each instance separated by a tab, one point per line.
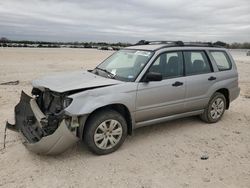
225	92
118	107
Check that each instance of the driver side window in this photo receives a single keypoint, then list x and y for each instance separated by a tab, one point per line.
169	64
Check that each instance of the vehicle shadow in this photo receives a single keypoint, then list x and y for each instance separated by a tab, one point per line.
140	136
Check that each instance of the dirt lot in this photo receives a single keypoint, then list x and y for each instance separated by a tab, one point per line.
165	155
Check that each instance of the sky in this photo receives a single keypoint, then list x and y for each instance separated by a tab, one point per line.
126	20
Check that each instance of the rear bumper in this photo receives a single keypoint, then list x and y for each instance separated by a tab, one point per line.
29	122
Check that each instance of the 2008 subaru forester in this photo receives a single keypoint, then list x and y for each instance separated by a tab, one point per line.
139	85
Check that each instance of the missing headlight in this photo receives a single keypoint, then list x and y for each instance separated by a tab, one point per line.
67	102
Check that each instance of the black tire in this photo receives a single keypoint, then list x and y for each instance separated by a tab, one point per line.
93	124
206	115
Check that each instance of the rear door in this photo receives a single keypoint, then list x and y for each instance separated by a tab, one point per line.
200	77
158	99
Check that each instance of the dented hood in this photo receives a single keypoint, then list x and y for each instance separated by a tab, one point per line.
68	81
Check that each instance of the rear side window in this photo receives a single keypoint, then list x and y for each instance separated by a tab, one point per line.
196	62
222	60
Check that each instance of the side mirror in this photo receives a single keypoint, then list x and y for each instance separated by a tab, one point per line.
153	76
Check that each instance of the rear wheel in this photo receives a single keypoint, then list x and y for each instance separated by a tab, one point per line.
105	132
215	108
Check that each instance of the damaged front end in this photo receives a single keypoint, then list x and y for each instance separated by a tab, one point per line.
43	124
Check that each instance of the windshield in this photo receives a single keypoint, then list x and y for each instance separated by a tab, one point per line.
124	65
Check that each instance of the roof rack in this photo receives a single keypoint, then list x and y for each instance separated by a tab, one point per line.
145	42
206	44
178	43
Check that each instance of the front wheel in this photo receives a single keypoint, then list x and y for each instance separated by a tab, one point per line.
215	108
105	131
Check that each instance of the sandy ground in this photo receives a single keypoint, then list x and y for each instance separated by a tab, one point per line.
165	155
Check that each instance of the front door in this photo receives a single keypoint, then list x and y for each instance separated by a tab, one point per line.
158	99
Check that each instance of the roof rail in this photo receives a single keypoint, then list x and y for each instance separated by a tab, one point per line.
205	44
145	42
178	43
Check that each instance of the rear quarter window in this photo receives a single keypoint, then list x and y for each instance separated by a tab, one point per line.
222	60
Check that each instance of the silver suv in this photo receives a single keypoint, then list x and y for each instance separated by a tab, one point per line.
144	84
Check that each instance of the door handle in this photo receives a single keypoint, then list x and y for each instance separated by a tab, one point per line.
176	84
212	78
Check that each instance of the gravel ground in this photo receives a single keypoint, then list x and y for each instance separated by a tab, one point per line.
164	155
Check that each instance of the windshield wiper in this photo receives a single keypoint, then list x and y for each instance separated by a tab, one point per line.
110	75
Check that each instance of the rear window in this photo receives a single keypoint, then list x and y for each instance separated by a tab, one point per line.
222	60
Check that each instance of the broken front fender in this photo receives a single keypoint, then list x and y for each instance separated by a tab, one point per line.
29	122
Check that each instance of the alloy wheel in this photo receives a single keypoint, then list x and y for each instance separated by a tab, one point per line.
108	134
217	108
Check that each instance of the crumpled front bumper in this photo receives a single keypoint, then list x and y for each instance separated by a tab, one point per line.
28	118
